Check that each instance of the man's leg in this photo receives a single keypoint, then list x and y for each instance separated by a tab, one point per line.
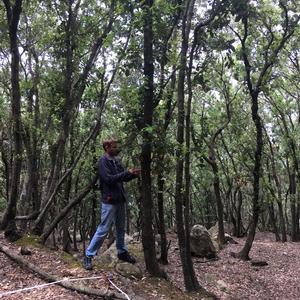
107	216
120	228
120	217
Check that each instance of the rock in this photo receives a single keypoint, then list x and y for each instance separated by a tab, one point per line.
109	256
136	236
201	243
157	245
229	239
214	232
77	256
78	238
209	278
129	270
259	263
222	285
128	239
25	251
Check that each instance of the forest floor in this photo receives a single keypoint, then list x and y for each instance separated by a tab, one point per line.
227	277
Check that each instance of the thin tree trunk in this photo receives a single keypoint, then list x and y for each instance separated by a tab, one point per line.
73	95
161	215
66	209
244	253
161	173
273	222
279	192
292	190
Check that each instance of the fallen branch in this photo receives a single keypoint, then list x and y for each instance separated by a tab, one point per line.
51	278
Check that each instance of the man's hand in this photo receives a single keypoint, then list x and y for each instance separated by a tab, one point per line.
135	171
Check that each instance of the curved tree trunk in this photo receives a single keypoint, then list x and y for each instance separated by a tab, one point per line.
66	209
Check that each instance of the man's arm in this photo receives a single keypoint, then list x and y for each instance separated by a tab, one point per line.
106	173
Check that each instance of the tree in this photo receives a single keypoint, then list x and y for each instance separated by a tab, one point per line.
148	106
271	50
190	278
13	13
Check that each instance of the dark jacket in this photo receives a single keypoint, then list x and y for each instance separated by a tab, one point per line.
112	175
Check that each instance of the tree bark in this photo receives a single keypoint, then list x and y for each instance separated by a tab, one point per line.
292	192
273	222
161	155
148	107
190	279
8	223
279	197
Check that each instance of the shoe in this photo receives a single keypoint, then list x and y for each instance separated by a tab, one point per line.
125	256
87	263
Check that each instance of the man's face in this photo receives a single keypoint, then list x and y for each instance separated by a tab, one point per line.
113	149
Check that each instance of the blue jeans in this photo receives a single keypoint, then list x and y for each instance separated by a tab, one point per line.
109	213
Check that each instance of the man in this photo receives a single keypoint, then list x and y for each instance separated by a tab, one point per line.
112	175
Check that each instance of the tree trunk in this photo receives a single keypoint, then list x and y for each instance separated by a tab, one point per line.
240	228
273	222
65	224
161	214
148	106
244	253
221	233
8	223
73	95
161	173
190	279
292	190
279	197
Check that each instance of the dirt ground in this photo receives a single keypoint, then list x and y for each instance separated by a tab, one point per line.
227	277
230	278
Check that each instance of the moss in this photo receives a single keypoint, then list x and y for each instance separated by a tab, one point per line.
135	251
70	260
103	267
31	241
